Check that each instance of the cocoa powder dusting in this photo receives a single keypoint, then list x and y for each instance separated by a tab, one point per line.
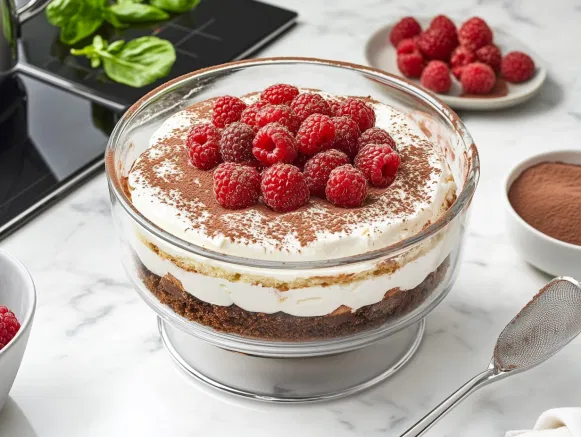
548	197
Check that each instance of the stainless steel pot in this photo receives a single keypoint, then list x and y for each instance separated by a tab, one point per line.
11	18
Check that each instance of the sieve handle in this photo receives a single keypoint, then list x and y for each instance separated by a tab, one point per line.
441	410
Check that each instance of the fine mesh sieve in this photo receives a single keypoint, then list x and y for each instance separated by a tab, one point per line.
541	329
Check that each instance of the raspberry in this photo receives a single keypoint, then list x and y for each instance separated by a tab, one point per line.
405	28
279	94
248	116
203	144
334	105
443	22
281	114
346	187
379	164
457	72
307	104
284	188
316	133
301	160
437	43
319	167
517	67
227	109
9	326
274	143
407	46
358	110
489	55
474	34
236	143
236	186
375	135
462	56
477	78
346	134
411	65
436	77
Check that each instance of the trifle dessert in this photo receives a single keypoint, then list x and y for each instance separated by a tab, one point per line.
293	176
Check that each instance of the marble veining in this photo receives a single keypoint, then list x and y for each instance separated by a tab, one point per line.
95	365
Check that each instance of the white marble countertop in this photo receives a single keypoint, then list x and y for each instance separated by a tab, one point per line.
95	365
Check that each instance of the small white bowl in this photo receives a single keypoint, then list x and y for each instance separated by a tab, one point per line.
17	292
543	252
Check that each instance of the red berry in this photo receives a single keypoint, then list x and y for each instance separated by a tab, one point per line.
490	55
281	114
236	143
358	110
316	133
379	164
405	28
407	46
346	134
334	105
319	167
307	104
248	116
411	65
437	43
477	78
284	188
375	135
9	326
457	72
227	109
443	22
517	67
274	143
279	94
474	34
346	187
462	56
436	77
301	160
203	144
236	186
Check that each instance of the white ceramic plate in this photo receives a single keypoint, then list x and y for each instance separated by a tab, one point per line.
382	55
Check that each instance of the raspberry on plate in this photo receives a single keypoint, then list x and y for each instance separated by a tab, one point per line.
306	104
236	186
346	134
437	43
279	94
379	163
236	143
436	77
490	55
319	167
284	188
203	144
358	110
407	27
316	134
281	114
375	135
477	78
408	45
334	105
517	67
443	22
462	56
248	116
346	187
227	109
274	143
411	65
9	326
474	34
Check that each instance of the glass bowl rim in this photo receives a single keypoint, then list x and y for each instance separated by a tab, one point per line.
403	85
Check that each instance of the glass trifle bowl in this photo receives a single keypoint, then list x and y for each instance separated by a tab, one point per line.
311	304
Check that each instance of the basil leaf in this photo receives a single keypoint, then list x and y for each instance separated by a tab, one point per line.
112	19
175	6
77	19
115	46
137	12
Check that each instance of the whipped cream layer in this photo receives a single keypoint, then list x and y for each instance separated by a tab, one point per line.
178	198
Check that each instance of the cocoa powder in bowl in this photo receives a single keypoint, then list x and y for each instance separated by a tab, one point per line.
548	197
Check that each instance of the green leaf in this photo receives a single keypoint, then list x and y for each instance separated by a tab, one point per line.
116	46
77	19
175	6
112	19
137	12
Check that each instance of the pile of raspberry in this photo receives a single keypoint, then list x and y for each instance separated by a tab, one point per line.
468	53
291	145
9	326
